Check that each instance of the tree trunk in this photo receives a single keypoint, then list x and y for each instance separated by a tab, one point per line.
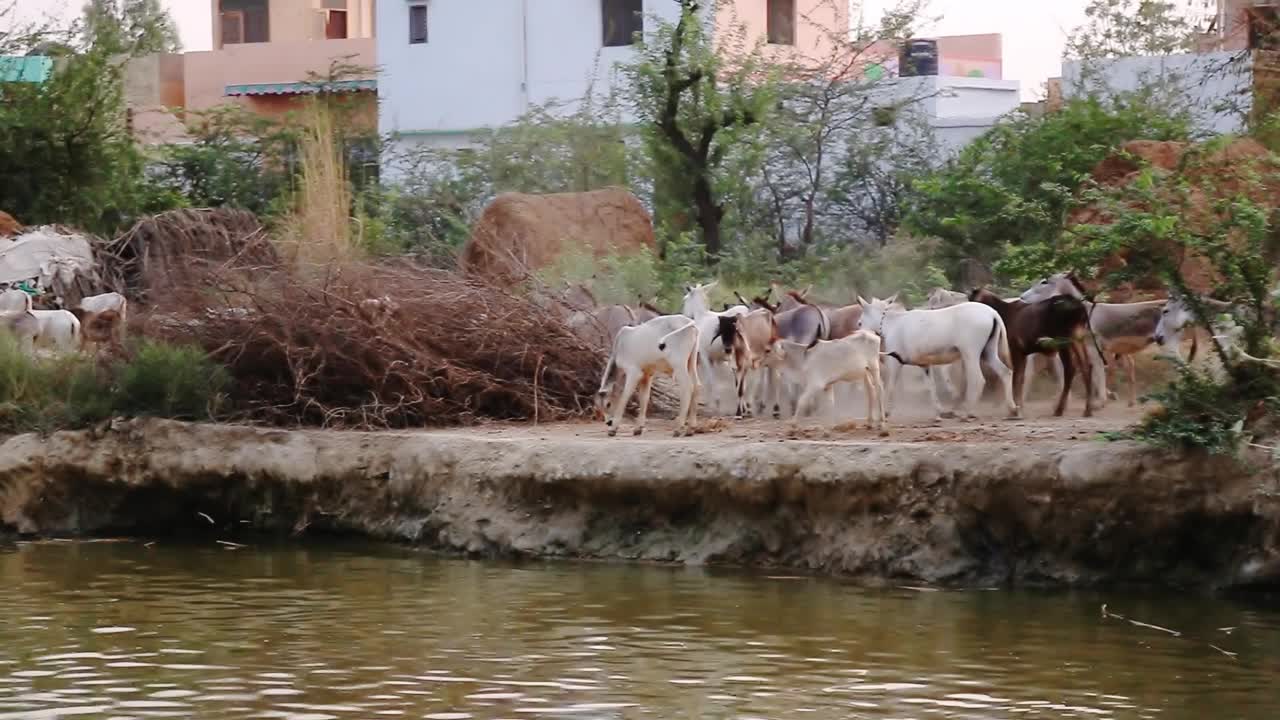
709	214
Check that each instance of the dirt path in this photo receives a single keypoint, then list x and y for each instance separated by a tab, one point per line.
910	426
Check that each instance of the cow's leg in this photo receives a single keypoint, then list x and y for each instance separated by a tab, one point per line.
642	412
628	388
892	370
803	402
938	411
741	384
688	387
1019	380
831	403
1131	365
1068	375
1081	356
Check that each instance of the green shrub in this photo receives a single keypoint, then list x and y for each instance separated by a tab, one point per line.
44	394
169	381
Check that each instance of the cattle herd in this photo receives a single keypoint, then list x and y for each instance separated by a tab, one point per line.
98	320
795	352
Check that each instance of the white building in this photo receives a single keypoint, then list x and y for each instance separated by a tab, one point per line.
452	68
1215	87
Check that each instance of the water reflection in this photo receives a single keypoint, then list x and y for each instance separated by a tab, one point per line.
122	630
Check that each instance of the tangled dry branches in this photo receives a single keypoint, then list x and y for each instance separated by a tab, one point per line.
177	247
382	346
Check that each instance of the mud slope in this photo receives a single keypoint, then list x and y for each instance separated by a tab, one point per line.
955	513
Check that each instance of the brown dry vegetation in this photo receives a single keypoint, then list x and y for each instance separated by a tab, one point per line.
376	346
519	234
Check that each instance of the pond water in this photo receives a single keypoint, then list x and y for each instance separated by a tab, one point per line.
118	630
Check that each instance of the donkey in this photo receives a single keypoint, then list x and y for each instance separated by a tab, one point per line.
1059	326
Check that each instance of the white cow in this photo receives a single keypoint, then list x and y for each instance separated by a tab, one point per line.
970	332
59	330
665	345
19	323
713	355
818	368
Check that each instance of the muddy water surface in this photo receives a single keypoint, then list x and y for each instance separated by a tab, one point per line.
116	630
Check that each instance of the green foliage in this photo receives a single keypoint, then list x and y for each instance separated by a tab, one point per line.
74	391
701	106
1129	28
132	27
235	159
1015	185
168	381
1198	412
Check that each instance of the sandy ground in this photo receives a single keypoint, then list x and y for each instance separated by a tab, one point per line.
912	422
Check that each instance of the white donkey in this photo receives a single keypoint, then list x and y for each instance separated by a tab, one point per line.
665	345
713	356
971	333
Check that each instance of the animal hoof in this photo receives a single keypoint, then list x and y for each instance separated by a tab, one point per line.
884	432
948	414
738	416
613	432
638	432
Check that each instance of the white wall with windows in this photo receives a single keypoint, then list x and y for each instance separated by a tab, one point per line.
448	68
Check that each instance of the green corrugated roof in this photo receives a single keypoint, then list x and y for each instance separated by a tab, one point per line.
302	88
35	69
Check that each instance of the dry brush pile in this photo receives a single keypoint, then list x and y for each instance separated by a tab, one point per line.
381	346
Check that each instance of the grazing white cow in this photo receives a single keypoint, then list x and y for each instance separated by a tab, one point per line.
971	333
666	345
14	301
59	330
713	354
819	367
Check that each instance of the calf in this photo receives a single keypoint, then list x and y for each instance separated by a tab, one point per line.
666	345
818	367
1059	325
751	338
96	305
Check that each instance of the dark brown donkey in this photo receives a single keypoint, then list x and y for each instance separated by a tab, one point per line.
1057	325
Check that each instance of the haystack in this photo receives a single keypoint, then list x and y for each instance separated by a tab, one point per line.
1240	166
519	234
180	246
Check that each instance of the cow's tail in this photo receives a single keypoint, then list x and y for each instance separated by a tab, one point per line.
662	342
998	342
824	325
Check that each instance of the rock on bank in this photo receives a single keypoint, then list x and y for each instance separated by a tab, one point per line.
955	513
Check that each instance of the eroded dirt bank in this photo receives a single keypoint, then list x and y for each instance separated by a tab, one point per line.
945	512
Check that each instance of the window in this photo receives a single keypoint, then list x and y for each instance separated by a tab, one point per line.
781	22
622	20
335	25
244	21
417	24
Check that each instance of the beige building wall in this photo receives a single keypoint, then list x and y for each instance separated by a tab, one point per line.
303	20
209	73
817	24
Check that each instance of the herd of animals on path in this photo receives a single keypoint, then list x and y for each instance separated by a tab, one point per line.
796	352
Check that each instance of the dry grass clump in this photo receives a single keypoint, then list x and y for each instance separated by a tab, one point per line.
179	247
317	233
383	347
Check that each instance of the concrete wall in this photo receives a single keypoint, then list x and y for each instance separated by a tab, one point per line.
1216	86
299	20
208	73
817	22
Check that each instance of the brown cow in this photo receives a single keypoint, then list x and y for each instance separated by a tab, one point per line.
751	337
1059	325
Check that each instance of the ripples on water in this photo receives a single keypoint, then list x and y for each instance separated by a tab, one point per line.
120	630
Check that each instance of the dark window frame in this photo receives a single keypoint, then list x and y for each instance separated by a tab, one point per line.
784	32
419	20
620	22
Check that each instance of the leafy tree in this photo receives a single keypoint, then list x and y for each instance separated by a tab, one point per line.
1128	28
133	27
1015	185
698	103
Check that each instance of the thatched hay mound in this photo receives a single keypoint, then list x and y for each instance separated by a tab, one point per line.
519	234
9	226
382	347
1239	166
178	247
